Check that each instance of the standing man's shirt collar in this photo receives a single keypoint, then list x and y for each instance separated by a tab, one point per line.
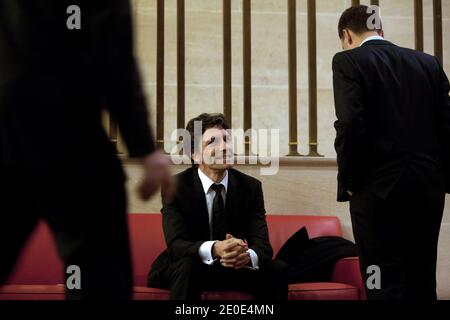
371	38
207	182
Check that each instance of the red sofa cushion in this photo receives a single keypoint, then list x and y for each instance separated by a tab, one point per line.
147	242
323	291
39	269
147	238
303	291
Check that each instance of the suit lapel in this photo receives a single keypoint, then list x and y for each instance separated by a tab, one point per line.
199	205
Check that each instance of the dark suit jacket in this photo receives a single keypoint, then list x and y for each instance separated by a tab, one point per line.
54	83
393	111
186	222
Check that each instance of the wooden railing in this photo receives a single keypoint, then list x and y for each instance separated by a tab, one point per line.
247	66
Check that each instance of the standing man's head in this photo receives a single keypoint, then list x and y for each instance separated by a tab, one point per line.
211	148
358	23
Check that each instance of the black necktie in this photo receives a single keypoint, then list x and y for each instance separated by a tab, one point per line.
218	214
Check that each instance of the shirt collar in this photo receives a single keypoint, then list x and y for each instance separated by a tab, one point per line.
372	38
207	182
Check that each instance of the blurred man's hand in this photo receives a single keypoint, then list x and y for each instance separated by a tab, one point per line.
156	173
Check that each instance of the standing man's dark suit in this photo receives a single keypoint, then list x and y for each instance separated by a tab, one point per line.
186	228
56	161
393	148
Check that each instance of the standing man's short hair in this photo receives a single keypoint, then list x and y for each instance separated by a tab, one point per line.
356	19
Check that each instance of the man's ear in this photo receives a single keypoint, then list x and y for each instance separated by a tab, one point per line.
348	34
382	33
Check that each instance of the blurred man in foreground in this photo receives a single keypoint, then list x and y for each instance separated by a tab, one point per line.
56	161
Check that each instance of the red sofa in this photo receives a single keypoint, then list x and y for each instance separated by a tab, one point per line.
39	272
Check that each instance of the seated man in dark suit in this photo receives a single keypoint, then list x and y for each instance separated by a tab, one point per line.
215	226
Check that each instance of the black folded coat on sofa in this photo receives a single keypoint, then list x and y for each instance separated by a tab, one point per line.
312	260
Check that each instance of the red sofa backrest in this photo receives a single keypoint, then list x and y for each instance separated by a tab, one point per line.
39	263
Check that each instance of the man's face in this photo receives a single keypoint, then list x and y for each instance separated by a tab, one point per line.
217	149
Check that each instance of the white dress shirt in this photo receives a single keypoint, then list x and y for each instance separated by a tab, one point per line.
371	38
205	250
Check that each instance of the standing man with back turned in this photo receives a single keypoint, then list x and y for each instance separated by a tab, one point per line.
56	161
393	151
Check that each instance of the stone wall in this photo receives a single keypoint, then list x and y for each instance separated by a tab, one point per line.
269	59
302	188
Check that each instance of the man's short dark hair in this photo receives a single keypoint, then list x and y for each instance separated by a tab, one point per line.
208	121
356	19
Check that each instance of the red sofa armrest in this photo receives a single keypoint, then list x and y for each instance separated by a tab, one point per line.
347	271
